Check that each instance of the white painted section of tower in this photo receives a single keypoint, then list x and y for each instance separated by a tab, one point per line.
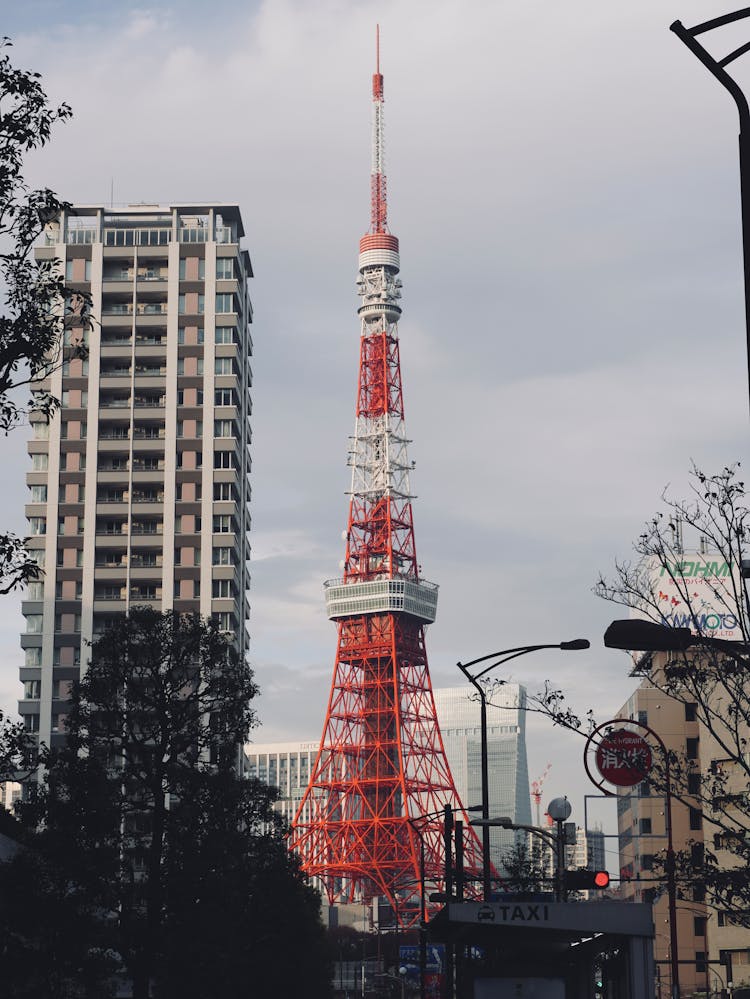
378	150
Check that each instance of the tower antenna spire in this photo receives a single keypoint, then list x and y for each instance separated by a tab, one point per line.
378	199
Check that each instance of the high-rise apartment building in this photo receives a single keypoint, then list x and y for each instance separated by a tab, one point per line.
459	718
138	487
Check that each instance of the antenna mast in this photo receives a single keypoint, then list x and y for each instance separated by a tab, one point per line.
378	195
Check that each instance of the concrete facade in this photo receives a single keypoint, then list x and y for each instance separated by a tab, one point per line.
138	487
704	934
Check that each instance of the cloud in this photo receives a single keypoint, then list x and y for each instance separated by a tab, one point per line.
563	179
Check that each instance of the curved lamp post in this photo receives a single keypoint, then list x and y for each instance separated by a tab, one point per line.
502	657
717	67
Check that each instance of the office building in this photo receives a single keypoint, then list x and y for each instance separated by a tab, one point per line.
285	765
138	486
459	720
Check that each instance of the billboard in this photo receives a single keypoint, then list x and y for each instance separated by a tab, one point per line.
697	591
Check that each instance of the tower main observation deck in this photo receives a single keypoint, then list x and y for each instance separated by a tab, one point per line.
381	761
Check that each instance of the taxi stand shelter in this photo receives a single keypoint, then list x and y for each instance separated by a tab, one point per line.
541	949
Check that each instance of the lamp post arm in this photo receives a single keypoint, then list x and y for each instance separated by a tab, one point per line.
521	650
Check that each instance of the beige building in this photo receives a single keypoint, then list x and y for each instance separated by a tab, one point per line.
138	486
707	938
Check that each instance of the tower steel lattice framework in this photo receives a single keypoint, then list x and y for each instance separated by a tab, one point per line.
381	761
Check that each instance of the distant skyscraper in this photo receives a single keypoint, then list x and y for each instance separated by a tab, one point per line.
458	717
138	488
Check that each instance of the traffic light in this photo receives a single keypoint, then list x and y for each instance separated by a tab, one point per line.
583	880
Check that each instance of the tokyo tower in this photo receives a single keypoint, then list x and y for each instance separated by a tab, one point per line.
381	760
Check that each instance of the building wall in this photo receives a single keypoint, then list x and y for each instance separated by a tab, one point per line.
702	932
138	487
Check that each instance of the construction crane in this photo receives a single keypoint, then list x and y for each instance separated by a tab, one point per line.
536	793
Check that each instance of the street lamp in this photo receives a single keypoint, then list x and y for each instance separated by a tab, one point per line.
718	69
501	658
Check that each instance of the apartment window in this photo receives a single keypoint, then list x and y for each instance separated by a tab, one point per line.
225	334
645	826
180	365
38	494
691	712
35	590
691	749
700	961
222	589
224	268
79	557
222	556
223	397
222	491
696	818
31	723
223	620
223	428
31	689
222	524
223	366
181	305
39	462
201	334
201	304
694	783
225	302
223	459
32	657
34	624
37	525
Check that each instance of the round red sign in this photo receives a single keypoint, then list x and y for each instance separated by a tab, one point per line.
624	758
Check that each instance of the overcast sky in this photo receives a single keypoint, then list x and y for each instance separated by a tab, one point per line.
564	182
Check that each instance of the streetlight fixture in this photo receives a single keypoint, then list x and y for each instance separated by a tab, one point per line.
502	657
718	69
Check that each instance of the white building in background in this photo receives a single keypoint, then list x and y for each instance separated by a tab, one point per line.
459	719
285	765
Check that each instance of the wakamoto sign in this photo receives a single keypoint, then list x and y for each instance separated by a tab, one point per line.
696	592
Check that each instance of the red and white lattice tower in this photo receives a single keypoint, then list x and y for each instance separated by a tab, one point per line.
381	760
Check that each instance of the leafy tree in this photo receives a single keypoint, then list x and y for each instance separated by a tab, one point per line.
146	816
523	869
711	677
38	304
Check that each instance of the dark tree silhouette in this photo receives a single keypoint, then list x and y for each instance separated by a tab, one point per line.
38	306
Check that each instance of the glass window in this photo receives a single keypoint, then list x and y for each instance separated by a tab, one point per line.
223	428
181	335
225	334
691	712
223	459
225	268
33	657
223	365
37	525
222	556
31	689
223	397
40	462
38	494
225	302
223	524
201	304
34	624
222	589
222	491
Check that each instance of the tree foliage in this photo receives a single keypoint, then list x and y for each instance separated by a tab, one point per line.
38	306
144	813
710	677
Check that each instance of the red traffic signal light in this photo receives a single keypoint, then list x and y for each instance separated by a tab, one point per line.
584	880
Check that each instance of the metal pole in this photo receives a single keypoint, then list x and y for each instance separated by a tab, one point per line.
671	882
486	867
422	922
560	861
447	838
717	69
